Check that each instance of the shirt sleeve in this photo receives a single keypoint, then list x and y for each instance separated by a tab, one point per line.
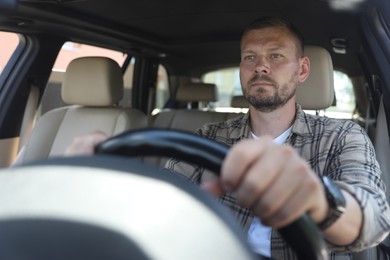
355	169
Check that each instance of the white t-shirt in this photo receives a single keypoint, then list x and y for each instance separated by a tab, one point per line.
259	235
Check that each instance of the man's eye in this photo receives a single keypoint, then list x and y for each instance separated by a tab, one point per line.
276	56
249	58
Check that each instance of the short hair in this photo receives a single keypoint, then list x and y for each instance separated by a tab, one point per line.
277	21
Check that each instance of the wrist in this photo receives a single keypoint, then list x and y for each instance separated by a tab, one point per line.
336	203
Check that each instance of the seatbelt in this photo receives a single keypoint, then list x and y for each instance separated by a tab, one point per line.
367	254
386	105
384	249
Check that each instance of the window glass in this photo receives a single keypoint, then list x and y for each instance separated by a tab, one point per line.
228	84
345	97
162	88
9	42
72	50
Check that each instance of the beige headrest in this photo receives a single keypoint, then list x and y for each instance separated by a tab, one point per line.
194	92
92	81
239	101
317	92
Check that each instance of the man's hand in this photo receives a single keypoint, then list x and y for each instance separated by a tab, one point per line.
85	144
273	181
278	186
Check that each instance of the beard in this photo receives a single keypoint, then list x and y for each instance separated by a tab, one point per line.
264	102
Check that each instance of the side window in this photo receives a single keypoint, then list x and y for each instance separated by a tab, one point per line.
345	97
9	42
70	51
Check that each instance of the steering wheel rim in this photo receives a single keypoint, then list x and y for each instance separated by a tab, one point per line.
209	154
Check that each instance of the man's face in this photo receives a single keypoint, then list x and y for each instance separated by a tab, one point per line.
270	68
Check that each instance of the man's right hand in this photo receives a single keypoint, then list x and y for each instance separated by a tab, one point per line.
85	144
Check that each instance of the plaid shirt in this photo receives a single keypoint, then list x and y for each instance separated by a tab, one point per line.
339	149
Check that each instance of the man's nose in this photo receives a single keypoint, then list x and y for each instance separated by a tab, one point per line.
262	66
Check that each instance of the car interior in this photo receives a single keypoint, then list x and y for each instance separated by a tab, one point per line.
70	67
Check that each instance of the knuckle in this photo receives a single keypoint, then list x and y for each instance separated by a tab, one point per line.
267	140
313	184
288	151
247	197
303	167
263	209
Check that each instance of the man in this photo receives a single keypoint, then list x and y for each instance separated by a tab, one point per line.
279	183
273	172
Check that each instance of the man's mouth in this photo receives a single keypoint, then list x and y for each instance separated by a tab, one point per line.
262	81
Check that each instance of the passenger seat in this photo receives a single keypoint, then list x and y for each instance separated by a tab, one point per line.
92	87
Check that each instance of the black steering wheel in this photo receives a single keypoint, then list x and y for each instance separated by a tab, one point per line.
302	235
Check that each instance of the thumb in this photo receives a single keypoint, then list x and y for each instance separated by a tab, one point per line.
213	187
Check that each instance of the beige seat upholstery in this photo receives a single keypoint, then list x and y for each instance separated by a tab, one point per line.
92	86
239	102
191	119
201	93
188	120
195	92
317	92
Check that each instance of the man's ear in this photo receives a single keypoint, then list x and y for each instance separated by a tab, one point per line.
304	71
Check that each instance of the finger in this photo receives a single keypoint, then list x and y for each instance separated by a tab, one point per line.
292	174
239	159
303	201
85	144
260	177
213	187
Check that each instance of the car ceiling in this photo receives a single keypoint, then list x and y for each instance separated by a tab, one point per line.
192	36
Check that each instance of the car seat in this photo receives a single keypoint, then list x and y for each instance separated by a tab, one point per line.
92	86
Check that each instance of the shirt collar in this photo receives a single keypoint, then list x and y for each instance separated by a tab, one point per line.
302	124
240	127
